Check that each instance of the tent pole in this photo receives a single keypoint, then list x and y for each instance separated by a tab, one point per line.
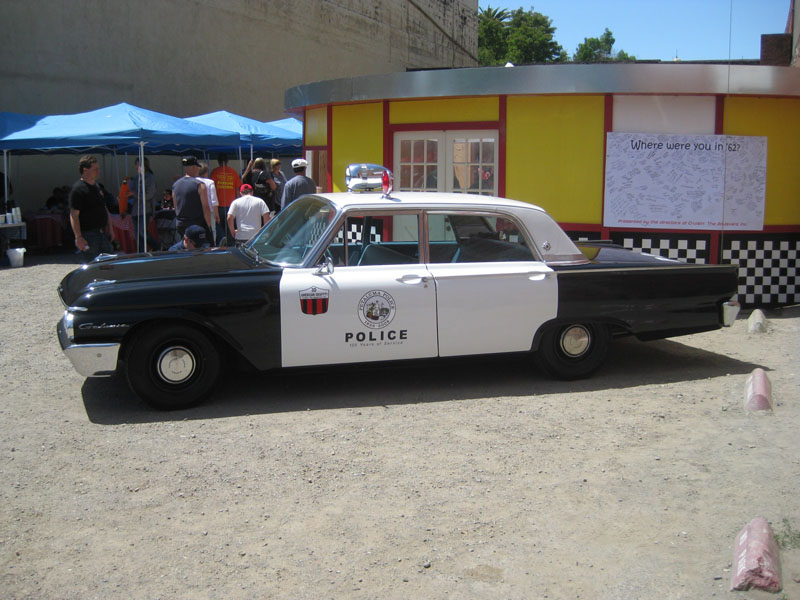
5	177
142	209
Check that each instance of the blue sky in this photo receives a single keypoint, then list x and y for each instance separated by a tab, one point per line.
658	29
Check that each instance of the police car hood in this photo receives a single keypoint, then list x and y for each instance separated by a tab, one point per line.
151	269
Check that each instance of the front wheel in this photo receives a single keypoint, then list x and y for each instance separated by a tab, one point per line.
172	367
573	350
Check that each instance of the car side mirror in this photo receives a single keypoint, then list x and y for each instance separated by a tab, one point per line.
325	268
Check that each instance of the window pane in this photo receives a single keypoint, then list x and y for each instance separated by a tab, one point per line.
431	178
459	178
419	177
405	177
387	240
474	151
474	238
487	152
433	151
405	151
419	151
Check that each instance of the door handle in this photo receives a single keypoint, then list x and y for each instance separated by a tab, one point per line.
412	279
539	276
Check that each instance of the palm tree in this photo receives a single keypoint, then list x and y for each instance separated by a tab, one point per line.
501	15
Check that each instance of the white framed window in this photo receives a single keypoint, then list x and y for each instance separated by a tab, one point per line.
446	161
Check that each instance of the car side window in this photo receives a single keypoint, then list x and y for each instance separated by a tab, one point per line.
369	240
462	238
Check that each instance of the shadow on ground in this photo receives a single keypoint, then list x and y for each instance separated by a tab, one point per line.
631	363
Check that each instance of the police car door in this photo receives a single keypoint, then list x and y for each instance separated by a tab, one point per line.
373	301
492	292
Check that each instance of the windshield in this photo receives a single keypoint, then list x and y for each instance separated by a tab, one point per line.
288	237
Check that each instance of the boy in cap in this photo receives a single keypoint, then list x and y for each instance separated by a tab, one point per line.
194	237
247	215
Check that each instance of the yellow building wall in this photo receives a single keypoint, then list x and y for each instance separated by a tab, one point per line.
554	155
778	119
316	127
357	137
443	111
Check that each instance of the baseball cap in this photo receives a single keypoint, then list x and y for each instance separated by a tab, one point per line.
189	161
299	163
245	187
197	234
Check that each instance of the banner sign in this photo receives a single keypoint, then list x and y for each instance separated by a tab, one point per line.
665	181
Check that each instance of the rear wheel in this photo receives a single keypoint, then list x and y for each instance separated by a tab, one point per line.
172	367
573	350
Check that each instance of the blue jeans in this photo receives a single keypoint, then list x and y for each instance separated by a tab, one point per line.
222	226
142	231
99	241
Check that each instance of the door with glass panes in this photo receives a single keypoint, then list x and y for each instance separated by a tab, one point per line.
446	161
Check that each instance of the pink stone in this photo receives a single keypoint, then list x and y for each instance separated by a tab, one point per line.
756	560
758	392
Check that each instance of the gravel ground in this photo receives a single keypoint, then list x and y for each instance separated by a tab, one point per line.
462	479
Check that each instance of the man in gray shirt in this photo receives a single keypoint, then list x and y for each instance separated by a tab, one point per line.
299	185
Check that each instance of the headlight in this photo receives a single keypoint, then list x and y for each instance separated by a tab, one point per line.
68	324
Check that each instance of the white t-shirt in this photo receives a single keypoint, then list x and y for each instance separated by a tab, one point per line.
248	211
211	191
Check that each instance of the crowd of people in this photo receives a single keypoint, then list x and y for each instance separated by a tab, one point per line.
201	209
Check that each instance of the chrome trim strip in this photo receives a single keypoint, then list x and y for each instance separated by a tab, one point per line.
661	78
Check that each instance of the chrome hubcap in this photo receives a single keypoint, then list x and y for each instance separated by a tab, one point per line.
175	365
575	341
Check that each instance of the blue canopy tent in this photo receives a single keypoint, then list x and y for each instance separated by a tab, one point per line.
118	128
256	134
290	124
11	123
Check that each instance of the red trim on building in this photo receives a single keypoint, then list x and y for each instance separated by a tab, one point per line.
329	117
501	147
608	126
442	126
719	115
388	141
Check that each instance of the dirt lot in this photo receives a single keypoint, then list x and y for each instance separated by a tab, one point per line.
471	479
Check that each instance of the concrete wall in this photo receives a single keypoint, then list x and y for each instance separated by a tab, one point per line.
189	57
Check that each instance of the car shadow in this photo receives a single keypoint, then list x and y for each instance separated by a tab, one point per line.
109	401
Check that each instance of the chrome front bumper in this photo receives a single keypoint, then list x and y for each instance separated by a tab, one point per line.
730	310
90	360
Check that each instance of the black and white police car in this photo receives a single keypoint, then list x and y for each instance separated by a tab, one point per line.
364	277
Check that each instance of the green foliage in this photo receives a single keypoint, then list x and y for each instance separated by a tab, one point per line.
521	37
594	50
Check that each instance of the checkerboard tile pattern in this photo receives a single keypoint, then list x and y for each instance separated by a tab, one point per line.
354	233
687	248
769	268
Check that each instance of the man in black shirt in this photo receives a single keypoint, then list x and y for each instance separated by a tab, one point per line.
191	198
88	213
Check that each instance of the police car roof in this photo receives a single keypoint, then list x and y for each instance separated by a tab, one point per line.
344	200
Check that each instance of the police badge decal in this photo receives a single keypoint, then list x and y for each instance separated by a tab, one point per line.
376	309
314	301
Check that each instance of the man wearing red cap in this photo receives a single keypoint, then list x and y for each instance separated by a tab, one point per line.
247	215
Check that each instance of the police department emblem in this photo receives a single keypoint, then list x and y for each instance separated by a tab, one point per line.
376	309
314	301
